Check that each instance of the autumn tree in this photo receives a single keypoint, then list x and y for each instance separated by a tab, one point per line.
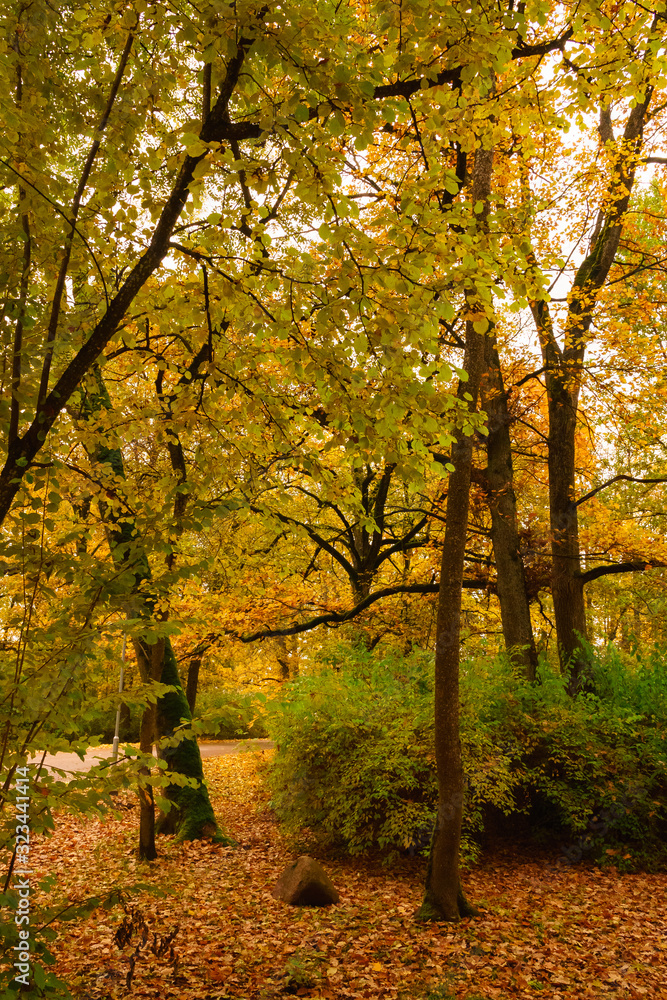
191	815
147	145
288	215
564	362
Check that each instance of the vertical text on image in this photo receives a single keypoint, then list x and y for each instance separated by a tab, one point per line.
22	871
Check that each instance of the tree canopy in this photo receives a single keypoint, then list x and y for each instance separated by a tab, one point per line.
297	297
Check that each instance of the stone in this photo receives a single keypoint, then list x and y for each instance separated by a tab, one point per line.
305	883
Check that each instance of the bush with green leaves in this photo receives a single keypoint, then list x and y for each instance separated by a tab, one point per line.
355	764
230	715
355	757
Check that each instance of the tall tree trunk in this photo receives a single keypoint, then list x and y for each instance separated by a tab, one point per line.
563	371
191	815
512	594
444	898
566	584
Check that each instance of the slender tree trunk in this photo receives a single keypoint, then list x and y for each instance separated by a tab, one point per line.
563	373
125	719
566	585
444	898
192	683
287	659
147	848
512	594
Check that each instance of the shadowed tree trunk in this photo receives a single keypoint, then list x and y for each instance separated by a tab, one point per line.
444	898
191	815
192	683
147	849
512	594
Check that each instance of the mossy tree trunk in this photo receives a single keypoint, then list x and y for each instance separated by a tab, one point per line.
191	815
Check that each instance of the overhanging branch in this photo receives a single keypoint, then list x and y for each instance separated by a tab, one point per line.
629	479
611	568
332	618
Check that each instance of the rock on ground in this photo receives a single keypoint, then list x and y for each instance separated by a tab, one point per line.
305	883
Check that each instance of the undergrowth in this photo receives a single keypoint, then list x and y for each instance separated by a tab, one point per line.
355	765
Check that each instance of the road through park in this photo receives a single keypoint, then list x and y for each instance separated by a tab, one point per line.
72	763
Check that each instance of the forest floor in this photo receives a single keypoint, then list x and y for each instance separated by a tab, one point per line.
546	929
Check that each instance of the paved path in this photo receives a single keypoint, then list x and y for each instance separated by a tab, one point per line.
72	763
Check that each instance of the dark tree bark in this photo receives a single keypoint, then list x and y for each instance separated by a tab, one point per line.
512	593
444	898
563	374
147	849
192	682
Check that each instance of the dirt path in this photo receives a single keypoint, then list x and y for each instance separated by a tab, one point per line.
72	763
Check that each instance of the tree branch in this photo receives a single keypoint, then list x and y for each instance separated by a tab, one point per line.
612	568
312	534
339	617
74	212
27	447
629	479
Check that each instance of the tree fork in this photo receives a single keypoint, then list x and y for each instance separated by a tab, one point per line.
563	368
191	816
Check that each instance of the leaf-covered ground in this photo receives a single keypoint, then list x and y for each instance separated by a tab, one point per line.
546	929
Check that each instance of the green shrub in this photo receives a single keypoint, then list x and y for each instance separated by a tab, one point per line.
636	682
230	715
354	755
355	763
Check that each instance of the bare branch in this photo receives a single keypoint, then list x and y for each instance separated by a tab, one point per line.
611	568
616	479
